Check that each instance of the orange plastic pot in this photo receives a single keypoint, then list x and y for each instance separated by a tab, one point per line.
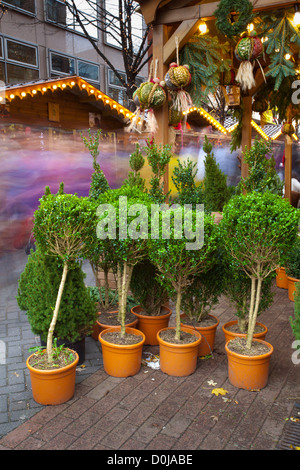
281	278
121	360
53	387
150	325
231	334
248	372
178	360
208	334
291	287
99	326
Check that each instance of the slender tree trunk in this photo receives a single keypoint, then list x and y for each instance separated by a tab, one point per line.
252	319
242	319
178	311
106	289
56	310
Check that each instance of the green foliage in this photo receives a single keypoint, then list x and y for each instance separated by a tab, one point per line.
158	159
98	295
236	135
176	263
146	289
262	175
204	291
282	34
184	180
216	192
205	57
292	263
99	183
244	8
63	226
37	292
237	289
136	163
257	229
295	322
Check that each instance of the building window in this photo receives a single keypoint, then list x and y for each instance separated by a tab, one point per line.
66	65
23	53
63	64
88	71
62	15
27	6
112	35
19	61
17	74
116	90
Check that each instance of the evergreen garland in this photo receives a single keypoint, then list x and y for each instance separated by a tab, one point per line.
281	34
206	58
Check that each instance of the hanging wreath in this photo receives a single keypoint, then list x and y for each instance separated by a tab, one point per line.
223	14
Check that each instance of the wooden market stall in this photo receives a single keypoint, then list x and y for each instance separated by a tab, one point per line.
175	22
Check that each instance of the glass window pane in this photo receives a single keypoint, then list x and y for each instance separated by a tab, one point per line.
56	12
21	53
27	5
112	31
17	74
2	72
88	14
113	79
62	64
118	95
1	48
89	71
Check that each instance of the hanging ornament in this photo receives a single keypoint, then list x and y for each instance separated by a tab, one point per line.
288	129
248	50
260	105
228	77
149	96
177	79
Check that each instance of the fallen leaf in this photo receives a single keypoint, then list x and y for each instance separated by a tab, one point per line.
215	418
211	382
219	391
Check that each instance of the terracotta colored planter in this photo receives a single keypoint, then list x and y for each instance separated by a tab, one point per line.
121	360
53	387
231	334
248	372
281	278
291	287
150	325
178	360
208	334
99	326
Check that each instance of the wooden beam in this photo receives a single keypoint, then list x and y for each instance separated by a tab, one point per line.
184	32
246	132
206	11
288	167
161	137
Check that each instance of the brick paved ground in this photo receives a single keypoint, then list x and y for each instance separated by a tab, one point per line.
152	411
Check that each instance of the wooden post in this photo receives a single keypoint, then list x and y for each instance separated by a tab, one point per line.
160	37
288	167
246	132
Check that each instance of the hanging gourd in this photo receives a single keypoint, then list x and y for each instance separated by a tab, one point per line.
288	129
260	105
175	117
177	79
248	49
149	96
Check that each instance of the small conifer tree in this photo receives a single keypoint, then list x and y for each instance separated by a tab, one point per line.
99	183
216	192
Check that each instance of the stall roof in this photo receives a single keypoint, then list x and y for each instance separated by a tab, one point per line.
74	84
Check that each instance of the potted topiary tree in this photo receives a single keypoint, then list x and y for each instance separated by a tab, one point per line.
124	217
237	289
257	229
199	299
292	268
177	264
152	312
37	292
62	228
295	321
